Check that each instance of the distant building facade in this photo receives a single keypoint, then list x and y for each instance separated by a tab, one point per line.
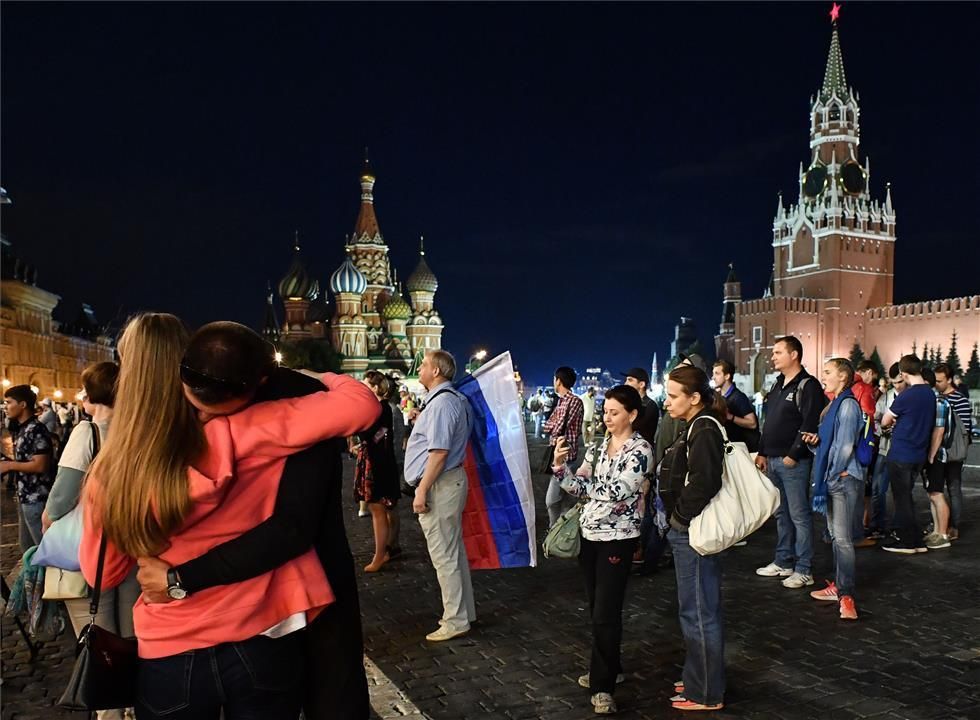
37	350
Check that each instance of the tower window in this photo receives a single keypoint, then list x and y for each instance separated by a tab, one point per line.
757	335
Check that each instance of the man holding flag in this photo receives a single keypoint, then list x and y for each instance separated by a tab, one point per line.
434	465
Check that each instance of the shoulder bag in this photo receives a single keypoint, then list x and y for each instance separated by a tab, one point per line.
104	676
564	538
745	501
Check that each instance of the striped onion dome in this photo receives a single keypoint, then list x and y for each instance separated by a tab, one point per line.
396	308
296	283
348	279
422	278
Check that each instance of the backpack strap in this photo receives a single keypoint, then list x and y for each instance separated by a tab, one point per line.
799	391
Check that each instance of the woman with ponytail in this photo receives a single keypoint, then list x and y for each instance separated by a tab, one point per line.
690	477
838	478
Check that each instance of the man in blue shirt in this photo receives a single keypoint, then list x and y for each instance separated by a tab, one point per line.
434	466
913	415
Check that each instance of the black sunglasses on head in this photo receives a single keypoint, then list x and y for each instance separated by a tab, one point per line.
198	379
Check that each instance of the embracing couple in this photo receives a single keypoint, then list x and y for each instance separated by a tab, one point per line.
221	478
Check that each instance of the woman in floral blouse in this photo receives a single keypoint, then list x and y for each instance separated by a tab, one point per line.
610	482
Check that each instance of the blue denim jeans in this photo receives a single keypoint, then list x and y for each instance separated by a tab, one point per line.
29	524
256	679
702	620
794	520
879	495
842	492
857	517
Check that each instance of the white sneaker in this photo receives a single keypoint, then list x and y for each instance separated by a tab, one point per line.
798	580
444	633
773	570
603	704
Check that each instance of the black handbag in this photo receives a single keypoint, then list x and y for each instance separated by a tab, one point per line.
104	676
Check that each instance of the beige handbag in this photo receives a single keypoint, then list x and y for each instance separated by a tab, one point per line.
64	584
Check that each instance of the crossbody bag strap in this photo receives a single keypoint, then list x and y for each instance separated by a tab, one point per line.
93	607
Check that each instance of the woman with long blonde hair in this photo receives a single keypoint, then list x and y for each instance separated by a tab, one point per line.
165	485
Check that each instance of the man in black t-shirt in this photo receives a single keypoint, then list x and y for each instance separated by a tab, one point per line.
741	425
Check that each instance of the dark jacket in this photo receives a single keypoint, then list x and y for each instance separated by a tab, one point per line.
698	461
787	415
308	511
646	424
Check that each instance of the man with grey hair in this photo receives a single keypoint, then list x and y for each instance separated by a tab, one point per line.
434	466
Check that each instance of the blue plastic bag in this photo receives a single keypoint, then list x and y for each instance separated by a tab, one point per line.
59	545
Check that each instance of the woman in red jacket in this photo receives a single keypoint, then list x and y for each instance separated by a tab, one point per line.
165	485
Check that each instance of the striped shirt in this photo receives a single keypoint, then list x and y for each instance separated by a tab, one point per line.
960	405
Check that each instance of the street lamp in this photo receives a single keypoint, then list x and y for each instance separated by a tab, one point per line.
278	357
476	360
57	394
6	383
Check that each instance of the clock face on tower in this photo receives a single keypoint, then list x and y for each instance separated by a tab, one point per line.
852	178
815	180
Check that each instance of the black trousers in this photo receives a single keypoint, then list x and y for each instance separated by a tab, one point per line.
902	476
606	566
336	686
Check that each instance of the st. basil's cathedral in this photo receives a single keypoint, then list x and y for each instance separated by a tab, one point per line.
372	325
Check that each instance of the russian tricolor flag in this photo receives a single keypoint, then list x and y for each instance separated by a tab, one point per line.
498	520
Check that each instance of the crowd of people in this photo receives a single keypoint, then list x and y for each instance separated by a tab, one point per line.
210	484
832	445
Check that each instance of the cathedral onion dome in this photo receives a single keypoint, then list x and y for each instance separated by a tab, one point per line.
348	279
422	278
296	284
396	308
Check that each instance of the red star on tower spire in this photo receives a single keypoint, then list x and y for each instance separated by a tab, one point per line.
834	13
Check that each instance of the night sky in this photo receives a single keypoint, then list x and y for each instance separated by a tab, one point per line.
582	173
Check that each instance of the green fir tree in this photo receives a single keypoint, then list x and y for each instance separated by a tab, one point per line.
876	359
926	356
857	354
972	377
914	350
937	356
313	354
953	358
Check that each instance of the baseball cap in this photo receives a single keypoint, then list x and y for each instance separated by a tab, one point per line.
638	373
695	360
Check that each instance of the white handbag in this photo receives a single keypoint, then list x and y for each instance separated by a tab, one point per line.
746	500
63	584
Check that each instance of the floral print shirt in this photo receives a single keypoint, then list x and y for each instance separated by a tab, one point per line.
612	487
32	439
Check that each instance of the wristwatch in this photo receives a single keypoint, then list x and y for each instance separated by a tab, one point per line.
174	589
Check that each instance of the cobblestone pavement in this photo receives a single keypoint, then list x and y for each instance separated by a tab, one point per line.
914	653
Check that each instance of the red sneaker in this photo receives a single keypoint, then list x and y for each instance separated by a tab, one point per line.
691	705
828	593
848	610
